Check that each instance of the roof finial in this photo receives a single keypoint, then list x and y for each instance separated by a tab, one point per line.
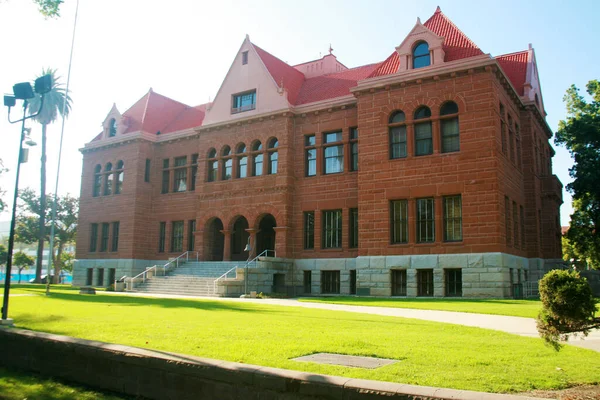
247	37
418	21
330	49
150	91
438	10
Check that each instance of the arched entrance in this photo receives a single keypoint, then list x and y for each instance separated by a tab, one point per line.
265	238
239	238
214	241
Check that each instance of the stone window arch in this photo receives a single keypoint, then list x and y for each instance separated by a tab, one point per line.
397	134
420	55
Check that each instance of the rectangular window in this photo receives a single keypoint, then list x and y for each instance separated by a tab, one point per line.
425	282
89	276
213	168
243	167
180	174
332	229
511	138
307	282
115	237
453	219
193	171
243	102
423	139
507	225
519	154
453	279
309	230
353	149
104	237
425	220
333	155
97	185
191	236
352	281
330	282
228	168
100	277
398	282
522	228
311	162
515	220
147	171
398	142
165	176
399	221
162	231
112	275
450	135
353	234
177	237
108	184
244	58
93	237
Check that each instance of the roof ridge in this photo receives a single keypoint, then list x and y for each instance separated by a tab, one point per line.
513	53
346	70
278	59
439	11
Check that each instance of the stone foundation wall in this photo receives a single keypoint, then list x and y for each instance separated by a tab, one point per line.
261	279
123	267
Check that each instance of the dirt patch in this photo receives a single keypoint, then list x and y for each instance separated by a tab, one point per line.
588	392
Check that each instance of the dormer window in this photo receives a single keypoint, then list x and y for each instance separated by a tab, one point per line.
243	102
112	128
421	57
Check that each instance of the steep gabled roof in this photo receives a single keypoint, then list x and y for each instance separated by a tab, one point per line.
456	44
152	113
388	67
333	85
282	73
514	66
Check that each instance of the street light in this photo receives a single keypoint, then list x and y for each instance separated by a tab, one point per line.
21	91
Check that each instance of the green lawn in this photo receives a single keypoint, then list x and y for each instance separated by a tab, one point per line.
432	354
515	308
19	385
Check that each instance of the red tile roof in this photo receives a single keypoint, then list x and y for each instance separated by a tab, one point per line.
388	67
333	85
456	44
514	66
281	72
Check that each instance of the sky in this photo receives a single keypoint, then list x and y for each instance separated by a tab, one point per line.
184	48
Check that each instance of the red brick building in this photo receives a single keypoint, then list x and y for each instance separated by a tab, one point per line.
429	173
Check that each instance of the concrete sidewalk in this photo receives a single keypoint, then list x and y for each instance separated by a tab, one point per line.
515	325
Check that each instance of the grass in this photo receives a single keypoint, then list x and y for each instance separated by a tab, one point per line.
515	308
432	354
19	385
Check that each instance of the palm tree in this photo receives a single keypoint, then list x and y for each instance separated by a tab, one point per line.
56	102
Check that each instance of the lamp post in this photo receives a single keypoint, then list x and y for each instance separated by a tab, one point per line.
248	248
21	91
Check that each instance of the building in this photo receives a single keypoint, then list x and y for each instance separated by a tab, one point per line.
426	174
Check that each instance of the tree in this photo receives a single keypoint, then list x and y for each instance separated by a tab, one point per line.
54	104
65	229
67	260
22	261
49	8
2	192
580	134
568	306
3	255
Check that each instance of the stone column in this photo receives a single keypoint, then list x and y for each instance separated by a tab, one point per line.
252	232
199	242
226	245
436	136
281	241
411	283
438	282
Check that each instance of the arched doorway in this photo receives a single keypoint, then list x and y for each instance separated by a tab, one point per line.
265	238
239	238
214	241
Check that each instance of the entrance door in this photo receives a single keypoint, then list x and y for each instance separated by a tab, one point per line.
266	235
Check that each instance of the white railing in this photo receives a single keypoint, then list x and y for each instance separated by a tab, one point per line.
155	269
247	265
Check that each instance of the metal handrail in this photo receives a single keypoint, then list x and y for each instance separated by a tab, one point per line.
166	267
264	253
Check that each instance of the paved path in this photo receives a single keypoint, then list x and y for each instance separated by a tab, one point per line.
515	325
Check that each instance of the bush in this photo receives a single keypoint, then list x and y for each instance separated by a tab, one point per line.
568	306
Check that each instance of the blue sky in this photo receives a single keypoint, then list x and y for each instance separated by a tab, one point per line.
183	49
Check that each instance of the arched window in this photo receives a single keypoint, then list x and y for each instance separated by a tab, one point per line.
227	163
421	56
273	144
257	159
119	177
112	128
242	161
397	135
449	127
97	180
213	165
423	137
108	179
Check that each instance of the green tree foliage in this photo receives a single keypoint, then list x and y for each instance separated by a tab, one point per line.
56	101
3	254
22	261
580	134
67	260
568	306
49	8
2	192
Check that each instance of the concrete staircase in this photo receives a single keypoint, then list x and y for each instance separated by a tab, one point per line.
190	279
